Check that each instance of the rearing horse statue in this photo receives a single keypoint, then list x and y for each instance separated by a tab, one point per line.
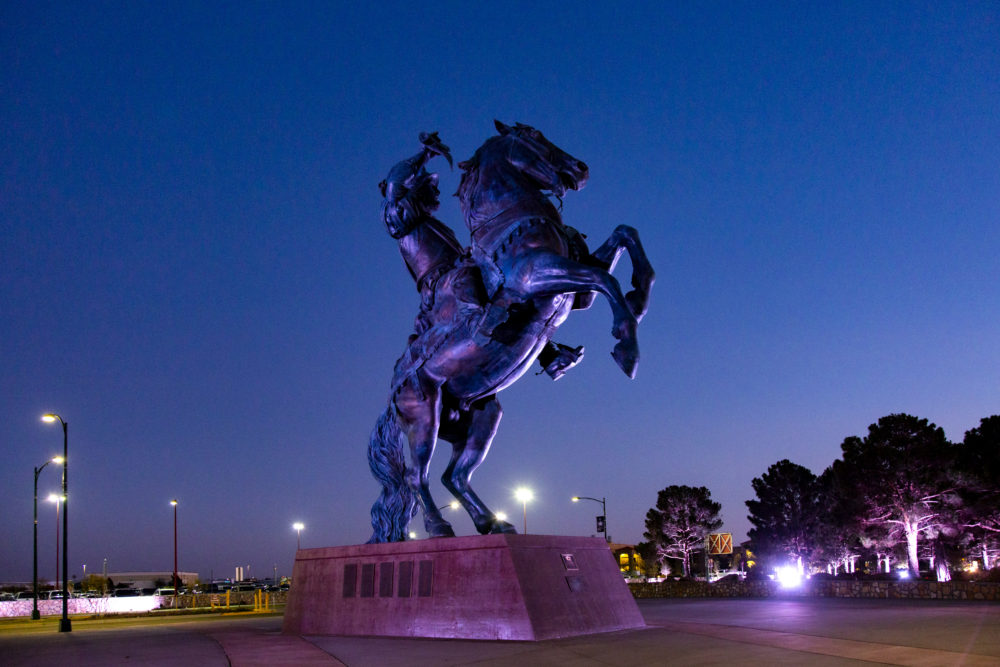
487	313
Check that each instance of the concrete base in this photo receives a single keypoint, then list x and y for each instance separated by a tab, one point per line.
520	587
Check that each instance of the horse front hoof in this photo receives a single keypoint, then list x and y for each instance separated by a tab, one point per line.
500	527
626	355
442	529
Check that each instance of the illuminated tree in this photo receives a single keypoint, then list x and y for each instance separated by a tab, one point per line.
680	522
900	477
980	463
786	513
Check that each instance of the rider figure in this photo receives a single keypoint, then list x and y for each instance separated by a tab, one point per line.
431	249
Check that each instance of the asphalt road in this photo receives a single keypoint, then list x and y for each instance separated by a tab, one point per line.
680	632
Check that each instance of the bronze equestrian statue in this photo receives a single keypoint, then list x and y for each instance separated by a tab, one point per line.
487	312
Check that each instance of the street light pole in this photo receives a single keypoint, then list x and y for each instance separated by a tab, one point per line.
297	527
64	622
174	503
53	498
524	495
604	512
34	577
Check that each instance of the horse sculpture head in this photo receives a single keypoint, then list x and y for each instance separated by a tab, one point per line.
545	166
551	167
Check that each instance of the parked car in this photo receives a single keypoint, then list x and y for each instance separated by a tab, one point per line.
164	591
7	597
126	593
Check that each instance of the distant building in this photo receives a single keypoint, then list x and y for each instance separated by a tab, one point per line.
151	579
629	561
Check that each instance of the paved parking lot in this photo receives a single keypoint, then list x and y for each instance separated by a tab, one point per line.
680	632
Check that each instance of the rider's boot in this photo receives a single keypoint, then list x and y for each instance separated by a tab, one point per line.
557	358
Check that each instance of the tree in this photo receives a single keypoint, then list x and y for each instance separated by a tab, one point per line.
651	565
840	531
980	464
787	512
94	582
900	477
680	522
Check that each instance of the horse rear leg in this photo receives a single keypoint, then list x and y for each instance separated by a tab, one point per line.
471	437
419	409
643	276
543	273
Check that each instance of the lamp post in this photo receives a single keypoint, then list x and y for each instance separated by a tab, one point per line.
523	495
64	622
602	521
34	577
54	498
176	582
297	527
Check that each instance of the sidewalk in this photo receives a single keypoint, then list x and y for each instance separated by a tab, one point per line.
681	632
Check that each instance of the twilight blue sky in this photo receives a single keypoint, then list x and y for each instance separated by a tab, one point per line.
194	275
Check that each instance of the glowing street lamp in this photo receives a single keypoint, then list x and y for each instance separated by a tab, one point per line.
523	495
501	516
34	578
297	527
64	622
602	521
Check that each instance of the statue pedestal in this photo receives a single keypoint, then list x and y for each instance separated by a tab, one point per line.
519	587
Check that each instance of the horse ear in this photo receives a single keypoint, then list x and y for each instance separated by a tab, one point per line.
501	128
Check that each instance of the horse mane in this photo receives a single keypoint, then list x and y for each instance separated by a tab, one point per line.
470	172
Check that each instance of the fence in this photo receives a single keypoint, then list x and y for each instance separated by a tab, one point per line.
126	605
827	588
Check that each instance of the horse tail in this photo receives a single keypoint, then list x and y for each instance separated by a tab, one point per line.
397	503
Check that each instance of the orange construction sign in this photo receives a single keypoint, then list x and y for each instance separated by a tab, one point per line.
720	543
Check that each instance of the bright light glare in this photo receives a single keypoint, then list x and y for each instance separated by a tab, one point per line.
57	459
173	502
49	418
413	535
298	526
789	577
904	574
501	516
523	495
454	505
576	499
53	498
